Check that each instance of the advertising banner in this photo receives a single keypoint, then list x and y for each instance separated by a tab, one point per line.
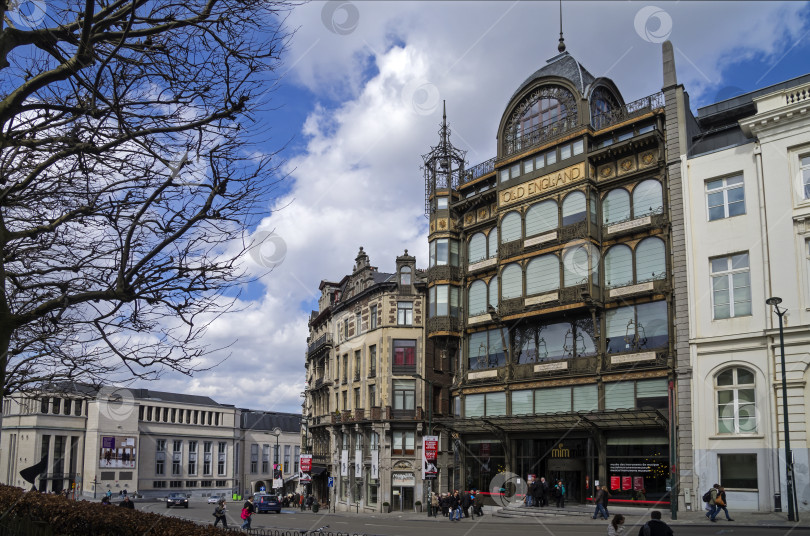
375	464
627	483
358	463
615	482
117	452
344	463
304	468
638	483
430	451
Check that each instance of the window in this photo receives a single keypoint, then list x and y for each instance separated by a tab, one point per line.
404	352
637	394
579	147
731	286
543	274
477	298
372	396
207	458
443	301
541	218
373	318
559	399
504	175
805	170
512	282
477	249
222	457
510	227
357	364
651	262
577	266
493	291
357	397
159	484
403	442
573	208
441	203
619	266
551	157
647	198
616	206
265	459
405	313
254	458
637	327
736	402
404	394
57	404
528	165
405	275
177	456
43	406
160	457
192	457
296	458
358	319
725	197
372	360
492	243
484	405
345	328
287	454
485	349
738	471
443	252
565	152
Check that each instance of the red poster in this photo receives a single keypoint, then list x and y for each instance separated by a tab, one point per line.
431	448
614	482
627	482
638	483
306	463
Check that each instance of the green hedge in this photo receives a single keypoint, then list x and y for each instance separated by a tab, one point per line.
82	518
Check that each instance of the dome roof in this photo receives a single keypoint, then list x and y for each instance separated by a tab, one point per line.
565	66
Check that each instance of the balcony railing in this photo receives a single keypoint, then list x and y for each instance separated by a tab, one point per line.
539	134
479	170
628	111
320	342
444	273
443	323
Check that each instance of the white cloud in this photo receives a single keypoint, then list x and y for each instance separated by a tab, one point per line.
358	182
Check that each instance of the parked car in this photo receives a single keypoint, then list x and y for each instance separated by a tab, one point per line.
214	499
176	499
267	503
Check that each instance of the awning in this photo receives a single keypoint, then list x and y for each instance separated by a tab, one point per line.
317	470
595	420
291	478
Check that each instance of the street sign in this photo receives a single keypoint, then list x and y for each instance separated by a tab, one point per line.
331	482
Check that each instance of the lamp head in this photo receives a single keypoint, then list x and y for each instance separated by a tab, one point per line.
773	301
276	431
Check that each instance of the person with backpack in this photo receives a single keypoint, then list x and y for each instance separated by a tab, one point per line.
720	504
247	512
709	498
219	514
559	494
655	527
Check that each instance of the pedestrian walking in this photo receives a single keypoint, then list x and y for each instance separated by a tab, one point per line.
455	506
544	491
247	512
720	503
616	527
220	515
655	527
478	504
605	500
559	494
434	504
530	493
466	502
709	497
598	501
444	504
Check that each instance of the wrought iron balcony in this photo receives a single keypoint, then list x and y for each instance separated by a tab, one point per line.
479	170
319	343
628	111
444	273
655	220
537	135
443	323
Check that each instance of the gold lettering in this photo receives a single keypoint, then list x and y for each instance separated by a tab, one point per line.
519	192
537	186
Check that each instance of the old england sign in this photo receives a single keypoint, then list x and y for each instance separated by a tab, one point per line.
535	187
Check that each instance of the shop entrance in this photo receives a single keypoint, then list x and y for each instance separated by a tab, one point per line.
403	499
572	474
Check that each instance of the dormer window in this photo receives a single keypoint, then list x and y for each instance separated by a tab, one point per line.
441	203
539	115
405	275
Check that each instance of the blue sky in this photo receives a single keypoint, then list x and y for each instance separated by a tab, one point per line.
360	102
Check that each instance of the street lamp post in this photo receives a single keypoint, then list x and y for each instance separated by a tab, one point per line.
792	514
276	432
429	428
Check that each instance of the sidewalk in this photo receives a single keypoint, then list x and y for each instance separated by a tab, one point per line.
635	516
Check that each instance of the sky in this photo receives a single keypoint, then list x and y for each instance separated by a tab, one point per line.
359	100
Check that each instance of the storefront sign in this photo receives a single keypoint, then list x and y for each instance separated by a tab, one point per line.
430	450
561	452
402	479
632	358
344	463
358	463
535	187
304	468
634	467
546	367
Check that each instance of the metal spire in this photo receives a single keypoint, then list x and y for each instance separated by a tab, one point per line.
561	45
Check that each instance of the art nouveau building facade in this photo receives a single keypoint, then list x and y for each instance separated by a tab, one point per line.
553	286
368	397
747	206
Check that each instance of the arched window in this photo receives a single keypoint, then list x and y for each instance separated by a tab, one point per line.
647	198
736	402
543	274
651	261
618	266
492	243
510	227
576	266
405	275
511	282
593	206
616	206
541	218
477	250
544	109
477	298
602	102
493	291
573	208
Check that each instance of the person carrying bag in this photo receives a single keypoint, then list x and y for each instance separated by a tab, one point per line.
219	514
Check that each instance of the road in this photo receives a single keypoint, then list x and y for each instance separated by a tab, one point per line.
393	525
